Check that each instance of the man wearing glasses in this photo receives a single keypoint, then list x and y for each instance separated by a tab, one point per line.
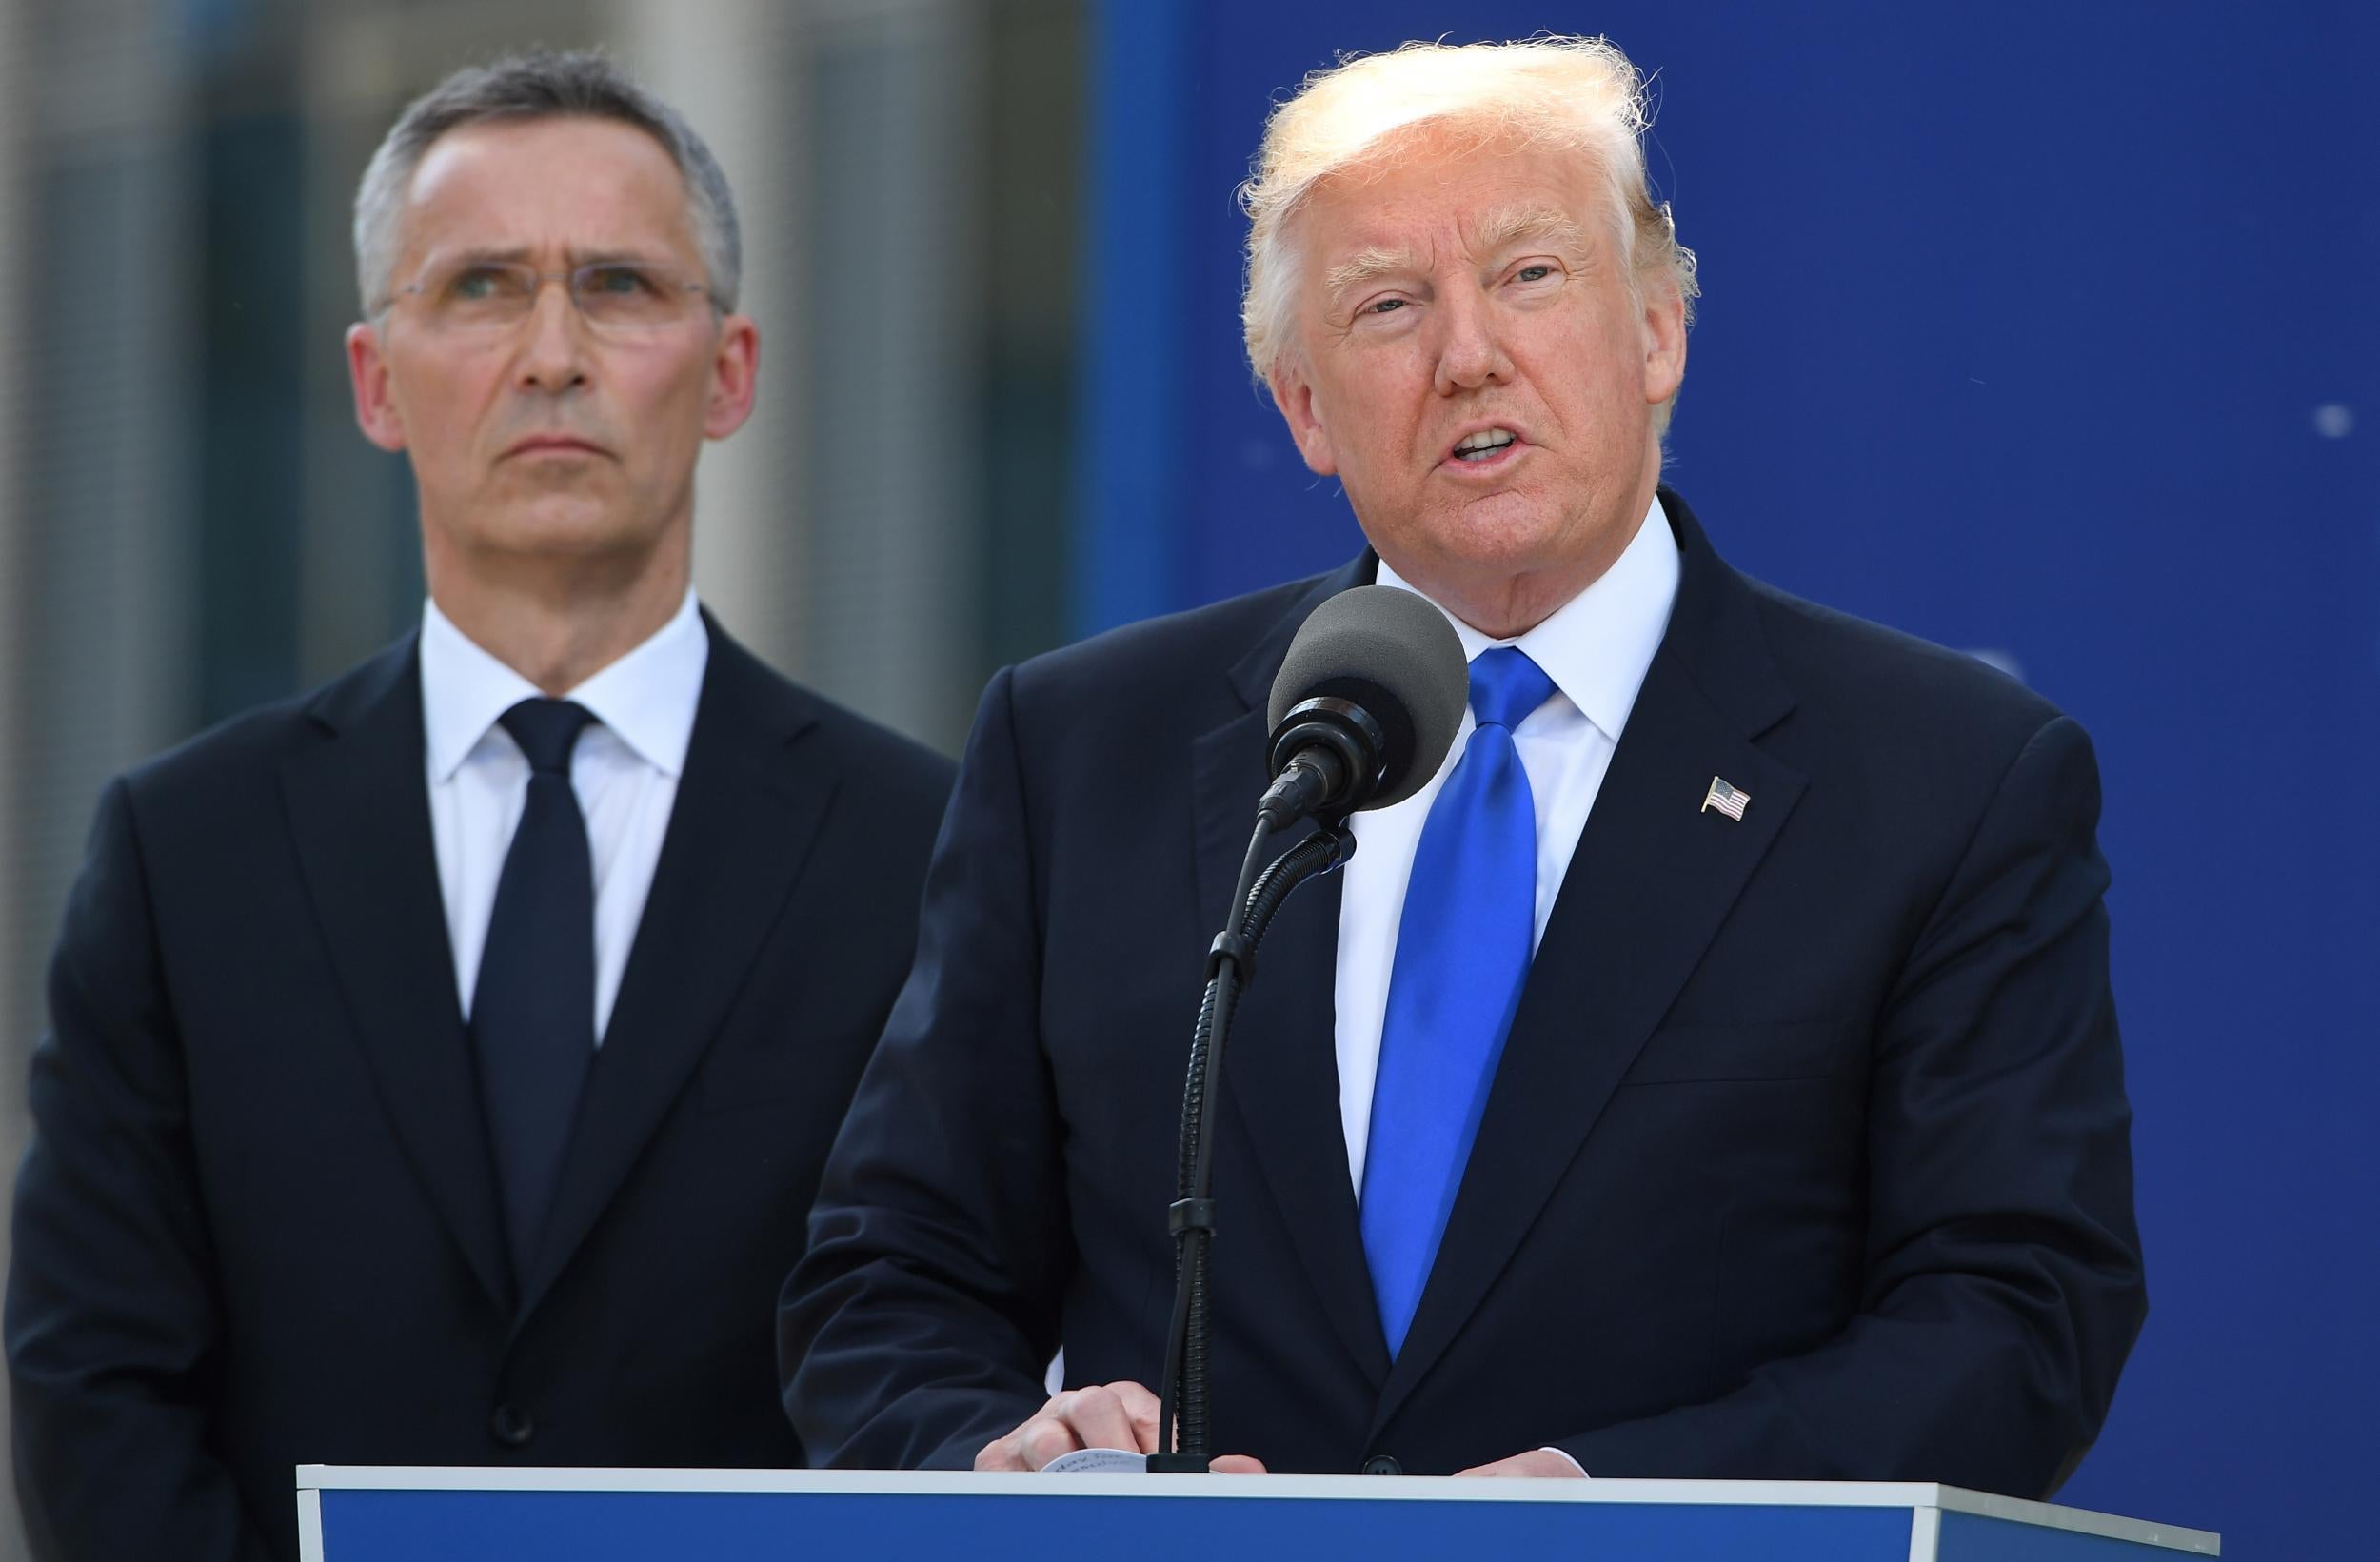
440	1063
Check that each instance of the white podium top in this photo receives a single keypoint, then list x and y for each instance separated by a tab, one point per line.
1919	1495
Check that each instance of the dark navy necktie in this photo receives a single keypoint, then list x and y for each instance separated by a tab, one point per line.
533	1007
1464	945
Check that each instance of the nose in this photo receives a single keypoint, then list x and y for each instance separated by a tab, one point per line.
553	354
1469	355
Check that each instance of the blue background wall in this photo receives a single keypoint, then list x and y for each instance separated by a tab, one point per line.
2045	330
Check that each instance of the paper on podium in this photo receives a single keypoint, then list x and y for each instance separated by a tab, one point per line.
1097	1461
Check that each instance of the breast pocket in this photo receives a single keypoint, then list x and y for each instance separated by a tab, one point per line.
1722	1053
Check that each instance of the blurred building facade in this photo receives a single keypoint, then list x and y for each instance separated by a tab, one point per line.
189	524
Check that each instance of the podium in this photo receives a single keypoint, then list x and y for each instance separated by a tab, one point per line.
354	1513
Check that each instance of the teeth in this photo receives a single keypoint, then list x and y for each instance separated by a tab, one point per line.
1487	439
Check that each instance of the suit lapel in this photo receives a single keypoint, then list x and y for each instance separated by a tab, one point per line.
1280	1064
358	805
1652	877
741	829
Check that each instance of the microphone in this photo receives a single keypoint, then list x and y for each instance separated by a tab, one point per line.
1366	705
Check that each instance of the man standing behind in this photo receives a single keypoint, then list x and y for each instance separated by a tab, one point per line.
441	1064
1710	1071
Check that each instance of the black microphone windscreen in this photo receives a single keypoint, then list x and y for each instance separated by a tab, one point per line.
1376	642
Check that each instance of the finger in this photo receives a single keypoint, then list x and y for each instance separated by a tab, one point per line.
1143	1409
1501	1467
1041	1440
1006	1451
1537	1463
1099	1419
1236	1464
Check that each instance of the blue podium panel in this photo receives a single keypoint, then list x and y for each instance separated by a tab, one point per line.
745	1516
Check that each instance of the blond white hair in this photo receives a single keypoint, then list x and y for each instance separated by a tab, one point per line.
1579	94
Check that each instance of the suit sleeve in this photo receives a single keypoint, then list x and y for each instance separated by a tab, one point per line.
114	1338
2003	1277
916	1326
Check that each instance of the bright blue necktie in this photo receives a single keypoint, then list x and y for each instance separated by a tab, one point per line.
1462	953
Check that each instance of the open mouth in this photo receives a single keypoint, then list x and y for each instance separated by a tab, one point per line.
1484	445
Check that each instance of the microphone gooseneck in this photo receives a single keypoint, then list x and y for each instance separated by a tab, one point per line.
1366	706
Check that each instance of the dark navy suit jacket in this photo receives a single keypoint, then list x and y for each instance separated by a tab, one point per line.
1808	1155
259	1226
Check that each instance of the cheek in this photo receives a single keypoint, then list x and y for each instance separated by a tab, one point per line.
1375	416
668	401
442	403
1594	375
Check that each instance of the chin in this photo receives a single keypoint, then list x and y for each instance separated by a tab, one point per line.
563	526
1514	541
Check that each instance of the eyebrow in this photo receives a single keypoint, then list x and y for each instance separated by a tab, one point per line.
1502	230
520	255
1367	266
1516	226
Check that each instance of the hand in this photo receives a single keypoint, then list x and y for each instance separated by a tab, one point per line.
1106	1416
1538	1461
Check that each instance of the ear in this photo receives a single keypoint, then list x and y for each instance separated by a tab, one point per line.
368	372
1293	394
734	372
1664	343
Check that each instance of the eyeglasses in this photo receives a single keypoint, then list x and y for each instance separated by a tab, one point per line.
622	297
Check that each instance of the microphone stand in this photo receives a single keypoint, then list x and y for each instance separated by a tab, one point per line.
1182	1445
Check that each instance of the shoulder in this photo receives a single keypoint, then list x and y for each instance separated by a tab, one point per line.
214	798
1195	648
900	773
1850	691
899	769
1909	746
1854	672
241	754
1146	688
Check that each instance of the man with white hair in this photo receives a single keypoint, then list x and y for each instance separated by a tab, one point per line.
1711	1073
440	1063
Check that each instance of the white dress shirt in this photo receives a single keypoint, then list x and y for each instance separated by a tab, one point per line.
1596	648
624	772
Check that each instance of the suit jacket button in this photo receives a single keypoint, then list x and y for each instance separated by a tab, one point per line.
1382	1464
511	1426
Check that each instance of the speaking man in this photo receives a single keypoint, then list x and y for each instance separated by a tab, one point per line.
1711	1073
442	1064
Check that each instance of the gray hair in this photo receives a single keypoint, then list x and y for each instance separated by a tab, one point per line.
540	84
1578	93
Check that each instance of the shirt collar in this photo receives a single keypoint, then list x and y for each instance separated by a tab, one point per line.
646	699
1597	646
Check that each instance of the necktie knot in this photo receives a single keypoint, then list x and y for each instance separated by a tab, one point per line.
547	730
1506	686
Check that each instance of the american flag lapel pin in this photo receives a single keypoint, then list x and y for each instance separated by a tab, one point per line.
1727	799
